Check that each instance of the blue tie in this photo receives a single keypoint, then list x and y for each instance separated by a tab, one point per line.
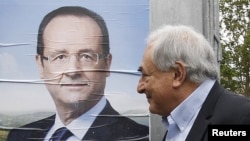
61	134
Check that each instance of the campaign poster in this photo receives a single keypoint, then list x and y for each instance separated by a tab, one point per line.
25	96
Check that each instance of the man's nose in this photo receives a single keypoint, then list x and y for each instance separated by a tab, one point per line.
73	67
73	63
141	86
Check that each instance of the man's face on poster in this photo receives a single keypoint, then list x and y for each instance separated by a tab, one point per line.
73	61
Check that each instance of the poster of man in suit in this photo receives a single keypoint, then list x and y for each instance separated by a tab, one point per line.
74	64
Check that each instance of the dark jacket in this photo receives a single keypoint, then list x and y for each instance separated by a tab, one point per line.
108	126
221	107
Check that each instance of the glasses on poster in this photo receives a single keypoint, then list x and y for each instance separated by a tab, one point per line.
60	60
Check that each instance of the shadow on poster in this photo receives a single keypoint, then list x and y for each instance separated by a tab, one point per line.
64	74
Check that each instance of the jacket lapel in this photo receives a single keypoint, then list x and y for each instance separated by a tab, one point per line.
42	128
199	130
99	127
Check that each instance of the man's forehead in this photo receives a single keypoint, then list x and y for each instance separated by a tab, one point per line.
147	62
147	57
66	33
70	24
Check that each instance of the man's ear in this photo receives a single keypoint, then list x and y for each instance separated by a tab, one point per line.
179	74
40	66
108	61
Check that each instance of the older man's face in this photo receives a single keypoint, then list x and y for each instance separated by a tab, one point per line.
156	85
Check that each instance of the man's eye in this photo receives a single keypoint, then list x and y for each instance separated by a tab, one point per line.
59	57
143	74
87	57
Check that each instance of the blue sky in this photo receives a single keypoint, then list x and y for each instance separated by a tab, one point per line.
128	24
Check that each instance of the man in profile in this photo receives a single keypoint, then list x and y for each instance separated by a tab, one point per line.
74	59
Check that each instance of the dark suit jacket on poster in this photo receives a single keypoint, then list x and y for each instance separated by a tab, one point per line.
220	108
104	128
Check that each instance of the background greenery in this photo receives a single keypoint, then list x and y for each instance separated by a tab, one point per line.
8	122
235	43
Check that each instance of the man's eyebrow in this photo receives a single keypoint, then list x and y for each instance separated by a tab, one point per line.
140	69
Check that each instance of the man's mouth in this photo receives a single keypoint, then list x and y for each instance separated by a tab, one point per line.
75	84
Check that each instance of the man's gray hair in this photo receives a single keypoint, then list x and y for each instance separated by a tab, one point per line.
182	43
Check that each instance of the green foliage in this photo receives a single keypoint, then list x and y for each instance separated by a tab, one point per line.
3	135
235	43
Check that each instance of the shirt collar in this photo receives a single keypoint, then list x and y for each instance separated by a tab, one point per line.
189	107
80	126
